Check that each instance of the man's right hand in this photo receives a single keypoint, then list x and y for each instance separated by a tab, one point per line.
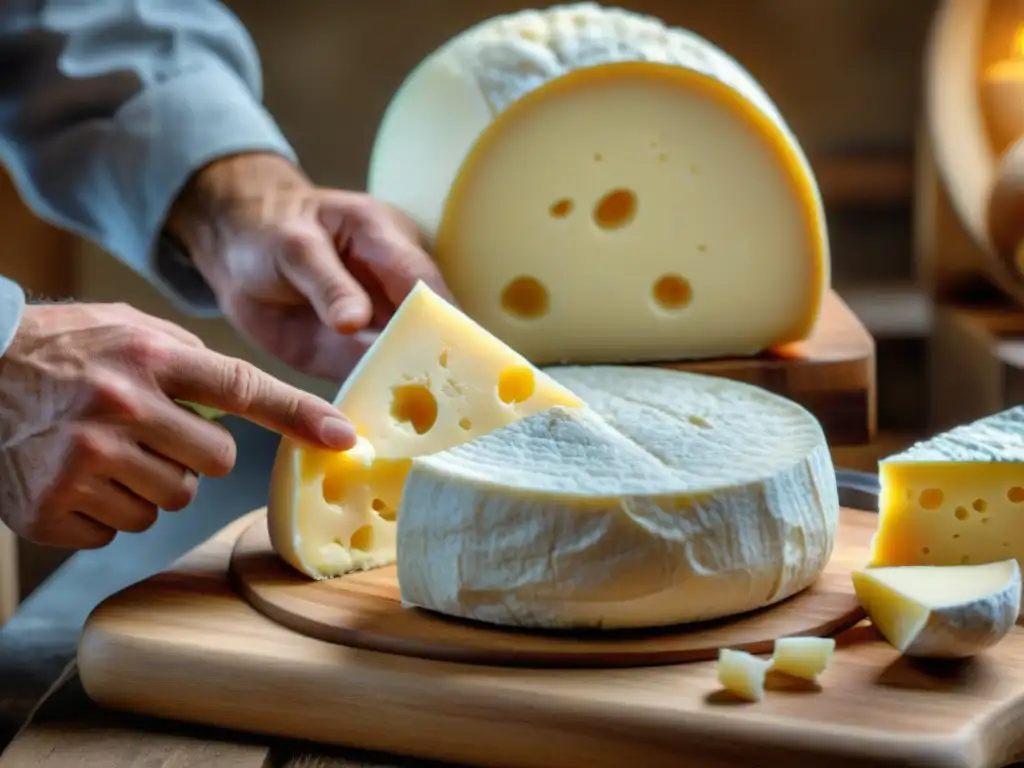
91	440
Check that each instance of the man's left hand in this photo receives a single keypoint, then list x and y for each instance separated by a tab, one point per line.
310	274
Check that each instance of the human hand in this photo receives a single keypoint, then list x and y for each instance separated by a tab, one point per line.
310	274
91	440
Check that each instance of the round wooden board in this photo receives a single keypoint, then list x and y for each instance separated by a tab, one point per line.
364	610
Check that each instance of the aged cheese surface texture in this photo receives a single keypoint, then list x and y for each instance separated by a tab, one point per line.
601	188
942	611
669	498
955	499
433	379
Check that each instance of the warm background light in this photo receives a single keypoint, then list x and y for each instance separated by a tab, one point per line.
1002	92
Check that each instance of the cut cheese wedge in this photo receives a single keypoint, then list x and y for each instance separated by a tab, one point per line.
802	657
670	498
742	674
433	379
955	499
939	611
601	188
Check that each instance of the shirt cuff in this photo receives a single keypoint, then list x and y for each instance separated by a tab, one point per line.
163	136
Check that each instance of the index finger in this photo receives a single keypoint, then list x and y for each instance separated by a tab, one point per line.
238	387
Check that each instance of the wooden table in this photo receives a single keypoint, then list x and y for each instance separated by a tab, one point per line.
46	721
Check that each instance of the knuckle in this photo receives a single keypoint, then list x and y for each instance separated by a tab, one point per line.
113	395
142	518
222	457
182	494
144	350
297	246
243	382
90	447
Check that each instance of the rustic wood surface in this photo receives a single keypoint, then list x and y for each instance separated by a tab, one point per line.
832	374
183	646
977	362
364	610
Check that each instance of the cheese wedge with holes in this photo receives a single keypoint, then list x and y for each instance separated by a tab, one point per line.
956	498
671	497
742	674
600	188
802	657
942	611
432	380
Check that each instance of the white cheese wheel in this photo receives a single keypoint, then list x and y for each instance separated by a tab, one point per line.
601	188
669	498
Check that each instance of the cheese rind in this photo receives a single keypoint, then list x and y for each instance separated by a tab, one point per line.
942	611
955	499
670	498
556	156
433	379
802	657
742	674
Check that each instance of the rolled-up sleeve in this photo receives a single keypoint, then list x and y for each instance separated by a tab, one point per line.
107	108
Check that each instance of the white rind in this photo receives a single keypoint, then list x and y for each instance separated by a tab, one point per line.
625	514
453	95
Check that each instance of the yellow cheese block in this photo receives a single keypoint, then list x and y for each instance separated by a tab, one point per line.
942	611
742	674
601	188
432	380
802	657
955	499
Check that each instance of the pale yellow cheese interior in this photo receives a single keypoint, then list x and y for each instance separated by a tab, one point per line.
434	379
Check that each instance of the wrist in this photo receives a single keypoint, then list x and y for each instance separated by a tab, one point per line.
222	192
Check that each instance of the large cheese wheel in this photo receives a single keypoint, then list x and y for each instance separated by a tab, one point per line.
598	187
670	498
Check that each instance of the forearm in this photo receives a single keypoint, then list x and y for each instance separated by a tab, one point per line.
113	111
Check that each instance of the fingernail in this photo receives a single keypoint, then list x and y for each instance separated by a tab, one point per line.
349	319
337	433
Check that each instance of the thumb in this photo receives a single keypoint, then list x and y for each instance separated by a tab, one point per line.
311	263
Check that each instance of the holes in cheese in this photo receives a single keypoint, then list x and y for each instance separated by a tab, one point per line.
615	209
626	513
672	292
952	611
949	500
561	208
588	141
433	379
525	298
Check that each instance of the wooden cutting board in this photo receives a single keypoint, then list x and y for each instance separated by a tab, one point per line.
183	645
364	610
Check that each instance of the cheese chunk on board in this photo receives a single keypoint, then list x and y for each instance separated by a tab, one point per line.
955	499
601	188
942	611
742	674
802	657
670	498
433	379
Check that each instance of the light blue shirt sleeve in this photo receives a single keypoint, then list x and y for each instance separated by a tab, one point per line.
107	107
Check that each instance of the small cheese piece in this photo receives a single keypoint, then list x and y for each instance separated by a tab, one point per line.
941	611
670	498
742	674
955	499
802	657
601	188
433	379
